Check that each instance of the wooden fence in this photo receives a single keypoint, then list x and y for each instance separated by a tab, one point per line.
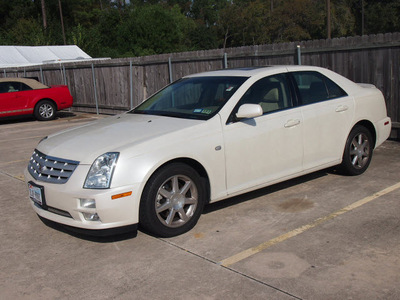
112	86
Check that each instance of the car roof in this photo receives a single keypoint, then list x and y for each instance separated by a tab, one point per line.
34	84
253	71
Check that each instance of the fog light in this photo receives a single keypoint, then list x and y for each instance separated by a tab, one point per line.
88	203
90	216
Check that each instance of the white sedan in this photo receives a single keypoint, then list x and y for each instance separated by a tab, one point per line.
202	139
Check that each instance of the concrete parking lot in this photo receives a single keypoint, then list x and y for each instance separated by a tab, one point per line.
321	236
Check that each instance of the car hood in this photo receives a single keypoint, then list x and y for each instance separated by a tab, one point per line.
86	143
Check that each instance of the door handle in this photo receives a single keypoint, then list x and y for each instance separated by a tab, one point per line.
292	123
341	108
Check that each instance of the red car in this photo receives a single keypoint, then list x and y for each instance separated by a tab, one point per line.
23	96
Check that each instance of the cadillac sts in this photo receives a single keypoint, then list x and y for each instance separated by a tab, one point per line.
204	138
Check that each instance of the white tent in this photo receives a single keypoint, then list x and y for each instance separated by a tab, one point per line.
21	56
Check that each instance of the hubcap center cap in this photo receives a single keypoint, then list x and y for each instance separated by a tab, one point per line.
178	201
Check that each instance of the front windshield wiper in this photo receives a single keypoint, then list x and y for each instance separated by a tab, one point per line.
141	112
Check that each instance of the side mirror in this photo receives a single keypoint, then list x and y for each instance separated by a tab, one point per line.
249	111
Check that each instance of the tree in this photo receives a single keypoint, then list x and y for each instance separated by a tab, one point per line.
206	11
298	20
343	21
27	32
245	23
382	16
118	28
44	15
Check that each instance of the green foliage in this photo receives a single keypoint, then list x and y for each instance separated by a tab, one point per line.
343	22
382	16
121	28
243	24
144	30
156	29
26	31
291	22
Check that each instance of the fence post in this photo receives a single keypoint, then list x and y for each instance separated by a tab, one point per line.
298	55
225	61
131	82
170	70
64	75
5	73
41	75
95	90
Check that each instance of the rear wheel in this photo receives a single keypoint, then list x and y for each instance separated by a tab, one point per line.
45	110
172	200
358	152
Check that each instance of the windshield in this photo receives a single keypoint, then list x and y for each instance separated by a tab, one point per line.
193	98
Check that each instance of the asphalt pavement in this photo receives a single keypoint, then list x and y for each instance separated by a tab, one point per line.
320	236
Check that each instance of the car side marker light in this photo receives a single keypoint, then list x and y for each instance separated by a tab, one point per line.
121	195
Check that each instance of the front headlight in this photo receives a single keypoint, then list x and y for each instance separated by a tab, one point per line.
101	171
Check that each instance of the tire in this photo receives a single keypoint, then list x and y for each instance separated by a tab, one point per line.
45	110
172	201
358	152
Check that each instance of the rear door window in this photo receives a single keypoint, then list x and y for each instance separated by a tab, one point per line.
314	87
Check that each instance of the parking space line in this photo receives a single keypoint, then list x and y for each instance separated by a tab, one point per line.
13	162
18	177
21	139
251	251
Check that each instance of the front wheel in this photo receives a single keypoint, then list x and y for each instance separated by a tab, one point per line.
45	110
358	152
172	200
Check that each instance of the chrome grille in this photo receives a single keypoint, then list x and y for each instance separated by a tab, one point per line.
51	169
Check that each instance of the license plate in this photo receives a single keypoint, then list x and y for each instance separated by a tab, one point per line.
35	193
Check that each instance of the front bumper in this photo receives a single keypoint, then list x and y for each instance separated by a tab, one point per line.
63	203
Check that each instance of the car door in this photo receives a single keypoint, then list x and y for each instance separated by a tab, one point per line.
327	115
267	148
12	97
